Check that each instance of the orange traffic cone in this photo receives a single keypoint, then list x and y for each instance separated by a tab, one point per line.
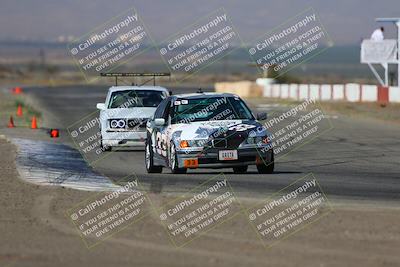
34	123
11	123
19	111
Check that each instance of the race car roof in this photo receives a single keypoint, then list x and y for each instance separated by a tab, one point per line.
124	88
202	95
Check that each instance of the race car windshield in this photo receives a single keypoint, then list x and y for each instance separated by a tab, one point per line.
212	108
136	98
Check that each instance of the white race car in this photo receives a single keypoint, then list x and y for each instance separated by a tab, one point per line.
207	130
124	114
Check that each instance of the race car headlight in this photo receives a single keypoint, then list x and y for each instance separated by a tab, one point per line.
117	123
193	143
184	144
259	140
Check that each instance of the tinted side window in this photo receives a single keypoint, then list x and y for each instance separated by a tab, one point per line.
166	110
160	109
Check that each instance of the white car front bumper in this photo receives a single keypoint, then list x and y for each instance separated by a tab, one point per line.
123	138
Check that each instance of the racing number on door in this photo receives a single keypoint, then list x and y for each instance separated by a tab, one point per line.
161	144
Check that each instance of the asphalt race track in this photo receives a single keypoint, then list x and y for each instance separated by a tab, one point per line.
357	159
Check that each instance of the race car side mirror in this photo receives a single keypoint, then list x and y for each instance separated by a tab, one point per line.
261	116
101	106
159	122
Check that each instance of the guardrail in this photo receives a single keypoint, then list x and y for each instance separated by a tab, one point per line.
351	92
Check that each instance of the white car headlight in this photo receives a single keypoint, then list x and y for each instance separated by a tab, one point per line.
117	123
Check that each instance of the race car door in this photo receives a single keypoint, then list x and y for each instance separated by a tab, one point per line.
159	133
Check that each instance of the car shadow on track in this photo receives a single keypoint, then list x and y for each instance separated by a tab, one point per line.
189	173
158	183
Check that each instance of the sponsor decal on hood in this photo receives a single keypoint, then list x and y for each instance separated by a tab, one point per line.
206	129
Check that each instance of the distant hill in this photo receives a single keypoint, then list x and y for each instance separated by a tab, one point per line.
338	63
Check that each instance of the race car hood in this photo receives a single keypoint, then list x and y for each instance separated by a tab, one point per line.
213	129
122	113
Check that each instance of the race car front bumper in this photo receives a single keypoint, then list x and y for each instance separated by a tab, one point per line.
209	158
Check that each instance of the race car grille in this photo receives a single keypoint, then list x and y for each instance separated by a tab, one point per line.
229	142
234	142
137	123
219	143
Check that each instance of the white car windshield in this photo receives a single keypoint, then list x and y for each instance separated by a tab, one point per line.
136	98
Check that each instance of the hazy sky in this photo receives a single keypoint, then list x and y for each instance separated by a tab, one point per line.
347	21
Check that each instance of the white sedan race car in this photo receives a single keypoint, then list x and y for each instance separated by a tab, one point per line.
124	114
207	130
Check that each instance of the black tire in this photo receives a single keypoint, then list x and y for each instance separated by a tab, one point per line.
268	167
105	148
149	159
240	169
173	162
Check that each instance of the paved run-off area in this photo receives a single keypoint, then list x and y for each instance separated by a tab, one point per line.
356	164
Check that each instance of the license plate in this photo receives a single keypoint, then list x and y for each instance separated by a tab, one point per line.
227	155
191	163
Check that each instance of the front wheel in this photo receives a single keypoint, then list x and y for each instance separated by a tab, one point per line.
173	161
150	168
266	168
102	146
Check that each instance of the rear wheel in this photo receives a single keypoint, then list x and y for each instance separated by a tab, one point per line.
173	161
240	169
266	167
150	168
